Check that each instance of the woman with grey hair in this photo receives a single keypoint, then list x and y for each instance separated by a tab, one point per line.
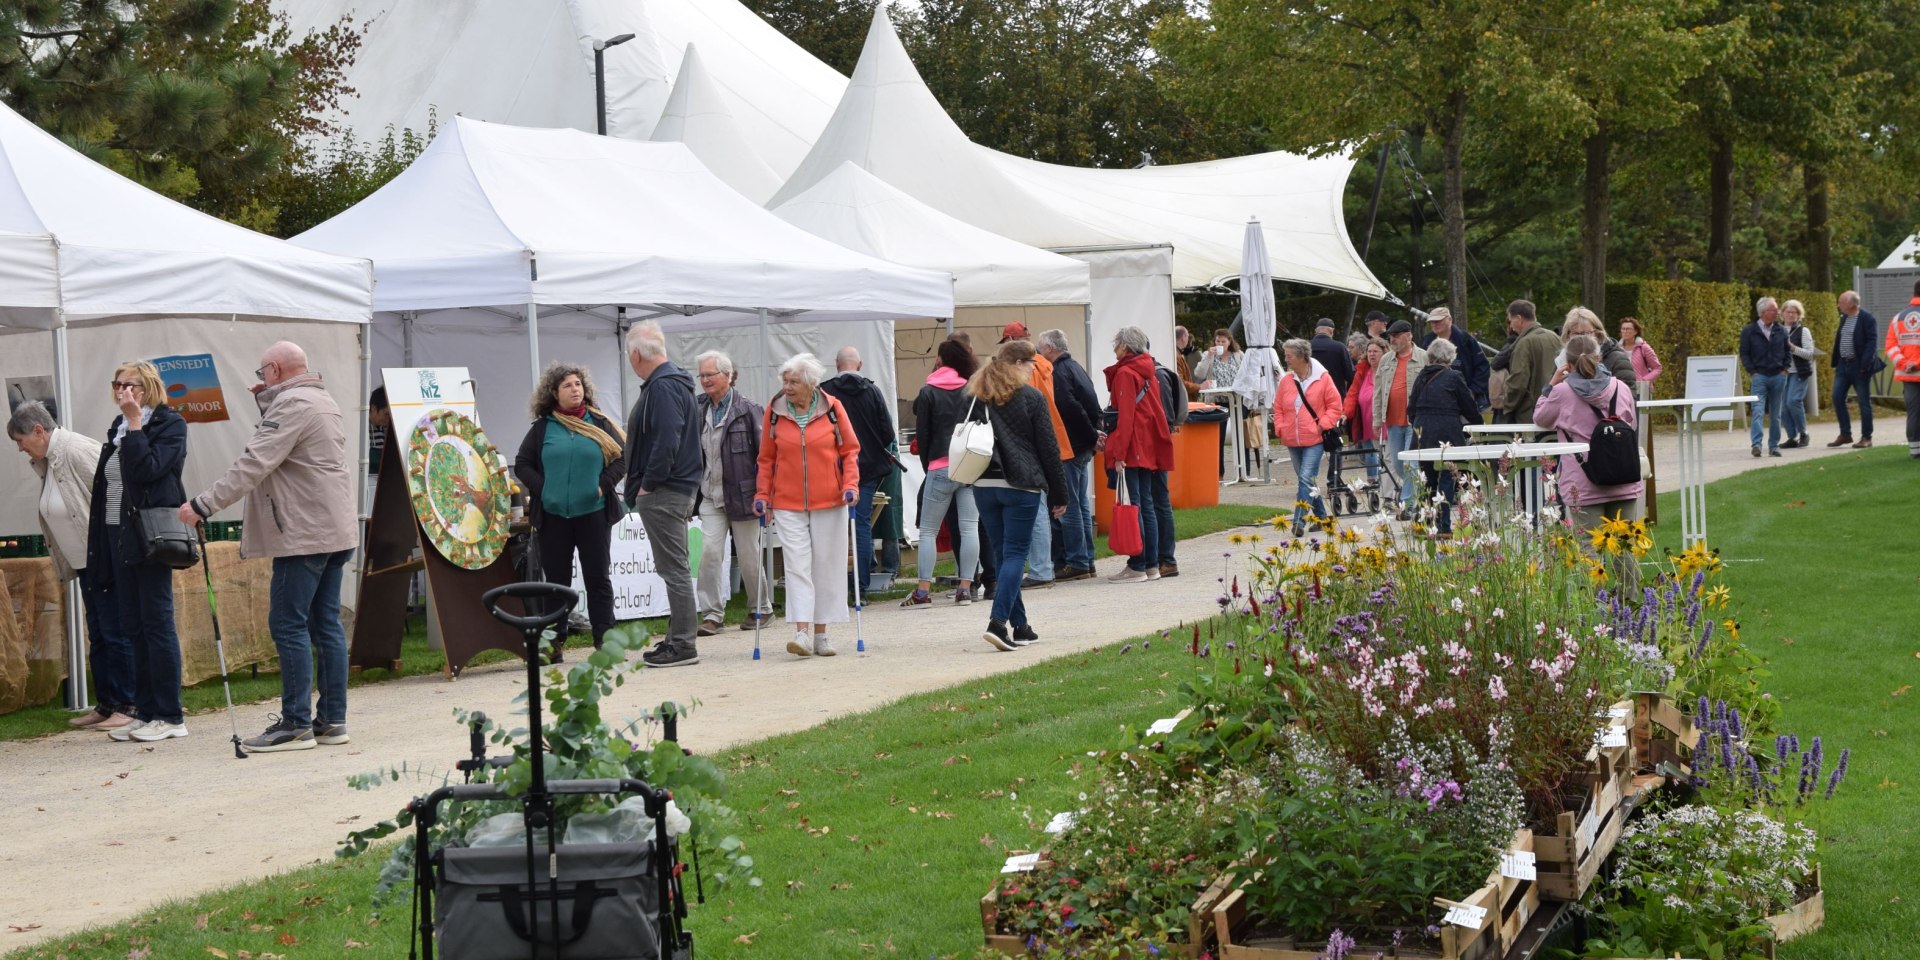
64	461
1306	410
1438	407
1140	447
809	476
569	462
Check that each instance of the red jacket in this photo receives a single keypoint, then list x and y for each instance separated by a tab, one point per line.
1140	435
807	469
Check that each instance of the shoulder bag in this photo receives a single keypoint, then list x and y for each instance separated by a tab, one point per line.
1329	439
971	448
164	540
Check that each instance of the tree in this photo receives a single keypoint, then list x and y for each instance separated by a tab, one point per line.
832	30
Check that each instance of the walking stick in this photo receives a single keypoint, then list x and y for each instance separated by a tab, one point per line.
766	587
859	626
213	609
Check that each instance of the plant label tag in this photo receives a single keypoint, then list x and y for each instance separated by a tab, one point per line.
1462	915
1519	865
1021	863
1619	711
1163	725
1613	737
1062	822
1589	831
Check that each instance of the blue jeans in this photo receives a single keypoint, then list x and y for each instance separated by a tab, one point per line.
1148	489
303	613
1306	471
109	651
863	534
1008	515
937	493
1040	547
1076	525
1793	416
1401	439
1847	378
1770	393
143	596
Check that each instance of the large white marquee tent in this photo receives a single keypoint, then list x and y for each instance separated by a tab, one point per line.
502	246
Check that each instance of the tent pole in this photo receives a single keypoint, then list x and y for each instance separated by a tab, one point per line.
1366	241
77	682
1086	314
620	337
533	341
366	391
766	355
406	337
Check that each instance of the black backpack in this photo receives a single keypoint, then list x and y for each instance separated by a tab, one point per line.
1613	452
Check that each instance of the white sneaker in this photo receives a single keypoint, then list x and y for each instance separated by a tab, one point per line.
1153	573
822	647
1129	575
159	730
801	645
124	734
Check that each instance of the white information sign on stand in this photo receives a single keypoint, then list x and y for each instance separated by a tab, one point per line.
413	392
1713	377
638	590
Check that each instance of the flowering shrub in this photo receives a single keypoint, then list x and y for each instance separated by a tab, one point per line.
1729	772
1699	881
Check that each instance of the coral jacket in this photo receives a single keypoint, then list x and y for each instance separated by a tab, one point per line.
811	468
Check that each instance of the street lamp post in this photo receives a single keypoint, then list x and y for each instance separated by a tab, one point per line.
600	78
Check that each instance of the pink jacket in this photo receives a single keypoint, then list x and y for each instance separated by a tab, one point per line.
1646	363
1291	422
1575	417
1360	404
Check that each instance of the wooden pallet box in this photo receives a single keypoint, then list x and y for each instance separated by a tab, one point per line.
1662	733
1570	856
1802	918
1199	924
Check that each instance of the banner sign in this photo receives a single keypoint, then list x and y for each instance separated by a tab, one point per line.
638	590
193	387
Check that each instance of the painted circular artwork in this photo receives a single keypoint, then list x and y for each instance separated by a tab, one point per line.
458	494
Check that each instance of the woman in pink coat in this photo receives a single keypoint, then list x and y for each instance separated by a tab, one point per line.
1581	392
1306	408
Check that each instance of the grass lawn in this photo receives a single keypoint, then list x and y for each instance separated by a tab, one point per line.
876	834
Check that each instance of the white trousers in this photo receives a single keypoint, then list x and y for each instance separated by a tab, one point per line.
713	589
815	545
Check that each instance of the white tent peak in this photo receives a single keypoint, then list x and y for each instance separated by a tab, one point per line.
1902	255
855	209
699	114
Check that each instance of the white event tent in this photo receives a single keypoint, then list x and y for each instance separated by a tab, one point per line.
502	245
698	115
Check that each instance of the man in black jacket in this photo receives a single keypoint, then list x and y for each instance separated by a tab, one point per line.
664	467
1856	358
1763	352
1332	354
1079	411
873	426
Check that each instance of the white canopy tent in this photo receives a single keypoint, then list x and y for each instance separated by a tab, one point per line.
1902	255
513	231
698	114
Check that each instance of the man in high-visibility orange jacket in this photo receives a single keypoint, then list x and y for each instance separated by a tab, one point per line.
1903	351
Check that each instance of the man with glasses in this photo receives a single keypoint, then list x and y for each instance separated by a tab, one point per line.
730	454
300	511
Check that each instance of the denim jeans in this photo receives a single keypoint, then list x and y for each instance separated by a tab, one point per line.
1845	379
1793	415
863	534
1008	514
1145	487
143	597
1401	439
303	614
1306	472
1040	547
1770	393
1076	525
937	493
109	651
1162	504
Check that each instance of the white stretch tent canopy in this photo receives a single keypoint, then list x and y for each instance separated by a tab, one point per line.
596	230
1902	255
698	114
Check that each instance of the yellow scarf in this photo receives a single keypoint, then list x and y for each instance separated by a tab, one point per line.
610	446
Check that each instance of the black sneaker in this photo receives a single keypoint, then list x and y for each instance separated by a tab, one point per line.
1791	444
671	655
1756	449
1775	452
996	634
281	736
331	734
1030	583
1024	635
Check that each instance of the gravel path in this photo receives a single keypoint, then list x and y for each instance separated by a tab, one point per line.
126	826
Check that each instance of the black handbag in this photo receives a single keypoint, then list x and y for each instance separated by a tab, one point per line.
164	540
1329	439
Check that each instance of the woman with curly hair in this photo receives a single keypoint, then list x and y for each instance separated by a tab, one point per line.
569	462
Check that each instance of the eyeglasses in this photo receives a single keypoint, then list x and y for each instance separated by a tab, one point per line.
261	372
117	384
711	376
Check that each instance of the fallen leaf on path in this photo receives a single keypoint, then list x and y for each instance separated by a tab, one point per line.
354	945
21	927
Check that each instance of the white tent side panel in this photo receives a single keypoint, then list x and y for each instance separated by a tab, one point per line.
333	350
1132	287
760	379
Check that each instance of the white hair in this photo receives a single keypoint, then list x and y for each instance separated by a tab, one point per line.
1054	340
1133	338
722	363
807	367
647	339
1299	348
1441	351
1760	305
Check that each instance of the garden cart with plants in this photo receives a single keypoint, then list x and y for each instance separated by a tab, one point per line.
537	897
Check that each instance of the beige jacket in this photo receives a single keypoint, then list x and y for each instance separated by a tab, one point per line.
69	465
294	474
1383	385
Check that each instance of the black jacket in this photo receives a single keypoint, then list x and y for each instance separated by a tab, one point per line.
151	459
1333	355
872	425
1763	353
1079	405
663	436
740	453
1025	452
1471	361
1866	345
1439	404
532	472
936	411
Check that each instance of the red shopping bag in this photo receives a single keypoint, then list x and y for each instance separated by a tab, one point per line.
1123	534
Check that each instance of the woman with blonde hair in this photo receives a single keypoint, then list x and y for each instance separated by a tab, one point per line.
1581	393
1025	470
1582	320
569	462
139	468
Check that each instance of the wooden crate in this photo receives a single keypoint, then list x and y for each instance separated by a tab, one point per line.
1518	899
1802	918
1662	733
1570	857
1199	923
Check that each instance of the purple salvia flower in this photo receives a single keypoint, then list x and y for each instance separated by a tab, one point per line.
1733	723
1809	776
1699	580
1754	780
1780	748
1793	743
1706	637
1819	756
1701	713
1703	753
1839	773
1726	750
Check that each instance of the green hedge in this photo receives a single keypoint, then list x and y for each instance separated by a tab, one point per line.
1685	318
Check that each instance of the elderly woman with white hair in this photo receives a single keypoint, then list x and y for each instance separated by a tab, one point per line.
1439	407
808	478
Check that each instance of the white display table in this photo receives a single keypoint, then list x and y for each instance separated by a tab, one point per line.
1692	455
1526	461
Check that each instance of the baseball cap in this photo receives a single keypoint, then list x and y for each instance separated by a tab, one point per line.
1013	331
1399	327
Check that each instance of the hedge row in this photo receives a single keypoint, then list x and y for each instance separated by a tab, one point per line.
1685	318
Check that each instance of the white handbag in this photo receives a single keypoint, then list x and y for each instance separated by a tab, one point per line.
971	448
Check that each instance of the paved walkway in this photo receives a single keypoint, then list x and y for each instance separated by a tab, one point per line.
124	827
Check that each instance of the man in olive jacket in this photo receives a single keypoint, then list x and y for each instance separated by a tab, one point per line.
1530	366
301	511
